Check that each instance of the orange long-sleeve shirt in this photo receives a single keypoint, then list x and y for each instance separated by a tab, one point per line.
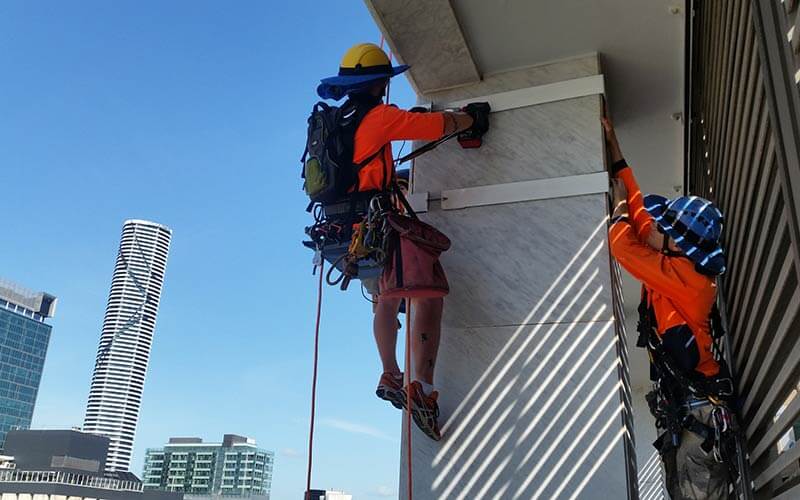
381	125
678	293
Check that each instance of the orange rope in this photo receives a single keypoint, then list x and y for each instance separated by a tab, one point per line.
410	487
314	380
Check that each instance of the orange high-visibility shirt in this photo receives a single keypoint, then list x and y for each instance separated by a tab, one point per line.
381	125
678	293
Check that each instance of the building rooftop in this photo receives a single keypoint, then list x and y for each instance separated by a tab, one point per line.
147	223
40	303
228	441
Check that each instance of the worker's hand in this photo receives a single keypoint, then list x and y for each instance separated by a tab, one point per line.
479	112
611	138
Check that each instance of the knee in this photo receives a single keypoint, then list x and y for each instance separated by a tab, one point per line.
387	305
432	305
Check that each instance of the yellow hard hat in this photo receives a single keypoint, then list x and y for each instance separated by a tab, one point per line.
362	63
363	58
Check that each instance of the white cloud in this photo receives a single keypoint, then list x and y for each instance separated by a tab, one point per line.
290	453
355	428
383	491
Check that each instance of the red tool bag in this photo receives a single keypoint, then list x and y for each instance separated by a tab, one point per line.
412	267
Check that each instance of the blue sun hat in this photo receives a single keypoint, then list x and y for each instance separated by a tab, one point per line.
696	226
361	66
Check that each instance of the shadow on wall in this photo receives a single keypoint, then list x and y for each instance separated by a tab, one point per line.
539	414
651	483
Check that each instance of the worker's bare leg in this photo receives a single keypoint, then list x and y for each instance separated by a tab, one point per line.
385	329
427	329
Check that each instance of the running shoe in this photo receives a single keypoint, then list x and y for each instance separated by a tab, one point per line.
425	410
390	388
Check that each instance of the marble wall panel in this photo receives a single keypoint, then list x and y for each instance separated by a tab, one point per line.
549	140
531	397
527	412
529	262
427	36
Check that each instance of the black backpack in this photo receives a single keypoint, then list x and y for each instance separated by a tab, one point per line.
328	168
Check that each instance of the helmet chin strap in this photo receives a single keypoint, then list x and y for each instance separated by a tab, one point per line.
665	250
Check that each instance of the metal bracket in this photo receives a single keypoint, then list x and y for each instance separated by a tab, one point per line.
531	96
513	192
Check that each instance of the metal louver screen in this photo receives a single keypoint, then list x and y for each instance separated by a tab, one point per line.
743	156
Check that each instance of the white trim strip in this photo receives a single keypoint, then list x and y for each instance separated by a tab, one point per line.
513	192
531	96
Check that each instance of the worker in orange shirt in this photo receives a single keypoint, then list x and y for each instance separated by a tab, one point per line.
673	248
363	77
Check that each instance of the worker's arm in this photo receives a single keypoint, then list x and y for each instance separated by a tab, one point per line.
407	125
655	270
456	122
639	218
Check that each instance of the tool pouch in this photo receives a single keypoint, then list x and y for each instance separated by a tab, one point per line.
412	267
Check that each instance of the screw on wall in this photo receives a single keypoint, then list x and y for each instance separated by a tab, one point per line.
674	10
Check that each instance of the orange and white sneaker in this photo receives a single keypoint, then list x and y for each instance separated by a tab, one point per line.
425	410
390	388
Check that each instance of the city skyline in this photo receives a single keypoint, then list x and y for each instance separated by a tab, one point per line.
127	337
160	117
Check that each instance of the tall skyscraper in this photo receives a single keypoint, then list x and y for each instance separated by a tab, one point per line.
24	337
124	351
236	467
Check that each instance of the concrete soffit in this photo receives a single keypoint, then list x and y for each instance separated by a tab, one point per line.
428	37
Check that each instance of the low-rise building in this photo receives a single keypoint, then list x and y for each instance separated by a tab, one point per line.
236	467
329	495
59	464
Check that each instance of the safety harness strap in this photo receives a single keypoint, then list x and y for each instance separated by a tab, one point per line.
697	384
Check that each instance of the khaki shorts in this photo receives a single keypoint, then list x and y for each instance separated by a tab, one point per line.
371	285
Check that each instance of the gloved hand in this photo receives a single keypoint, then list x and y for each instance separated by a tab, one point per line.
419	109
479	111
472	137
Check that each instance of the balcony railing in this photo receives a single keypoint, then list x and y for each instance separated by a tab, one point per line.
58	477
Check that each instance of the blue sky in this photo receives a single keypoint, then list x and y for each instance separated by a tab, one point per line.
192	114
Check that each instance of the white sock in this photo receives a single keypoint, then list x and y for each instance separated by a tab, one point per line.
426	387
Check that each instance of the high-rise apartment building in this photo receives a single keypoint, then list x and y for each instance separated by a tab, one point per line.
125	342
234	468
24	337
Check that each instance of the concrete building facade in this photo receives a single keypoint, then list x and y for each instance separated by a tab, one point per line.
535	398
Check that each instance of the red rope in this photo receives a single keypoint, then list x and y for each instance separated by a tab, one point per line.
410	487
314	380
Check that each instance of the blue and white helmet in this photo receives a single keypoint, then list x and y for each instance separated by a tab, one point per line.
696	226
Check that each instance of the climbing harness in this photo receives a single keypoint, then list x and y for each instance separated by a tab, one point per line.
677	394
353	242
